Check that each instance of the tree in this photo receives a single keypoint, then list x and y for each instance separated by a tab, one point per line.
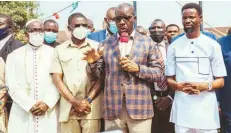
20	12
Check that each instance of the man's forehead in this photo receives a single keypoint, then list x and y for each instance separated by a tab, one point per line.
50	24
190	11
158	23
79	20
124	11
172	28
35	24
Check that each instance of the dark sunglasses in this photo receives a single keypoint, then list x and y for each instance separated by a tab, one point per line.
78	25
119	18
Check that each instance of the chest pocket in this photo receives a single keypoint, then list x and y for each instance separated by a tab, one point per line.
66	62
204	65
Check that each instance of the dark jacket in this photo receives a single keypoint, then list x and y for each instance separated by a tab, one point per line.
10	46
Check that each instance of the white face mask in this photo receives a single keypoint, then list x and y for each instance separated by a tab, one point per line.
36	39
80	32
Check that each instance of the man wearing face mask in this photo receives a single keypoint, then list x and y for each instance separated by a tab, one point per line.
131	64
80	103
51	28
110	30
7	42
30	85
162	94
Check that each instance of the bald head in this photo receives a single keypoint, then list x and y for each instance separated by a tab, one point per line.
111	13
125	7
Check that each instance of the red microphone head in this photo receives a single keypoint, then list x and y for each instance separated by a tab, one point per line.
124	37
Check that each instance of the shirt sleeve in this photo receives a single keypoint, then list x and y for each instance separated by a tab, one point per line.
170	66
17	94
217	62
56	65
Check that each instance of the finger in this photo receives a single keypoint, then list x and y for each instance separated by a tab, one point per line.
123	62
124	66
123	58
37	112
100	51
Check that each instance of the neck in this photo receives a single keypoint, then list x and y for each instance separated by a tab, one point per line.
50	44
77	42
193	35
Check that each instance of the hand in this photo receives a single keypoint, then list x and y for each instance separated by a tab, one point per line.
129	65
39	108
198	86
187	88
91	55
162	103
82	107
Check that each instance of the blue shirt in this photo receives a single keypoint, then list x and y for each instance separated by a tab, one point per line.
224	94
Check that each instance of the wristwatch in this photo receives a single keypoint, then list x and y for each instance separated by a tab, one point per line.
210	86
88	99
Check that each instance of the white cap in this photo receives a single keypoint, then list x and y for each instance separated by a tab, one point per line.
33	20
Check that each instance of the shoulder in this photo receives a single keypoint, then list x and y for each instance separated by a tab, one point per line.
63	45
16	43
209	41
178	41
17	52
48	48
92	43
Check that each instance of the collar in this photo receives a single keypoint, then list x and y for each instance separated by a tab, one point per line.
132	36
4	40
71	44
34	47
163	43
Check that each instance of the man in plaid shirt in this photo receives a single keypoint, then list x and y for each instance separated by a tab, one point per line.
131	64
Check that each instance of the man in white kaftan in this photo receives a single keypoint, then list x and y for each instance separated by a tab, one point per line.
30	85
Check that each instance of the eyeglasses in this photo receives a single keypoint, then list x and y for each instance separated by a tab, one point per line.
126	18
78	25
39	30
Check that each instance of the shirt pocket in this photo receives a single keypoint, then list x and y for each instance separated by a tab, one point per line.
204	65
65	61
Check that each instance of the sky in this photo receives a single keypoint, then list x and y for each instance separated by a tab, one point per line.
215	13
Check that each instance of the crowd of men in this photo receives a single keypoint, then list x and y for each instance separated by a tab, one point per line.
121	79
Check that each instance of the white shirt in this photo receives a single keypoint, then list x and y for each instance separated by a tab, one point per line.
29	67
162	49
3	41
195	60
125	48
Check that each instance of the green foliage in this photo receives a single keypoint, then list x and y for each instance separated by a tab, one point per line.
20	12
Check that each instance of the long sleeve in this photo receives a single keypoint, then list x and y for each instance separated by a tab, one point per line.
155	65
17	94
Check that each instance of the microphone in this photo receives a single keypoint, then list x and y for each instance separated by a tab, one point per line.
124	37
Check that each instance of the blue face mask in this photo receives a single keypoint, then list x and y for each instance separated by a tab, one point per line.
3	32
113	27
50	37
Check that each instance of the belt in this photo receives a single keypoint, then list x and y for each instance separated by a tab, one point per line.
161	93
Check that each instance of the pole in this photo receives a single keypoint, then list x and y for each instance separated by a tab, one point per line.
201	26
135	13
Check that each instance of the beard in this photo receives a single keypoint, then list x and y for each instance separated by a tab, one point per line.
189	29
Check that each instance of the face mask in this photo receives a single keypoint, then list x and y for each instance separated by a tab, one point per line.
113	27
50	37
80	32
4	32
88	32
157	36
36	39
